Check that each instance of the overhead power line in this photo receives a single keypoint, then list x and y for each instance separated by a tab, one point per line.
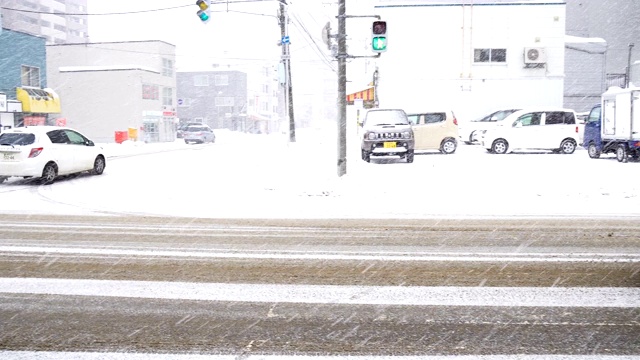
130	12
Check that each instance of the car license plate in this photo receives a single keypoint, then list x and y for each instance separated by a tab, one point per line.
388	144
9	157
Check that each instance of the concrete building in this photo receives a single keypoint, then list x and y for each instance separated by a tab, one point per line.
58	21
215	98
455	55
109	88
586	45
24	96
615	21
597	50
585	72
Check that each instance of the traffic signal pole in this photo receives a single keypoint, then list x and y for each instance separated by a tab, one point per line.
342	83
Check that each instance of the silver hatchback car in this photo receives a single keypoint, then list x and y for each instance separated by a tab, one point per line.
198	134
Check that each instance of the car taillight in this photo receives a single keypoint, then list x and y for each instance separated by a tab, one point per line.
35	152
455	121
577	130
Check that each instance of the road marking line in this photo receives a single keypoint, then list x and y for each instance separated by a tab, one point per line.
332	294
335	255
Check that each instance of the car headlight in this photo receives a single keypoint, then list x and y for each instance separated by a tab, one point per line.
407	134
371	136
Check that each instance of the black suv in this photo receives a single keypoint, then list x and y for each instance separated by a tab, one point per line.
387	132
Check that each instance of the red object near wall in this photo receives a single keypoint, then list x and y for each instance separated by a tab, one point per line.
122	136
34	120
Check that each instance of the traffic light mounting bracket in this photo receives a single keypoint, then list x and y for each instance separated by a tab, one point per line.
347	56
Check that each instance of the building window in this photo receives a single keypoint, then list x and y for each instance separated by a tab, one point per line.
201	80
30	76
167	96
150	92
490	55
222	80
185	102
167	67
224	101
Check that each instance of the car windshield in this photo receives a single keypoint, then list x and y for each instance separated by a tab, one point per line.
386	117
496	116
195	128
17	139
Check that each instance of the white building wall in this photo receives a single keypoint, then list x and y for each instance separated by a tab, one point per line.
429	61
100	85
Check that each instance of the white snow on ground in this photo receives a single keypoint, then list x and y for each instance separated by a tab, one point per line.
332	294
265	176
520	256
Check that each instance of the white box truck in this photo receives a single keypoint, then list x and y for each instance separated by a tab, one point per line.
613	125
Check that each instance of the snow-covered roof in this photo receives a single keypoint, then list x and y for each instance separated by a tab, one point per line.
582	40
106	68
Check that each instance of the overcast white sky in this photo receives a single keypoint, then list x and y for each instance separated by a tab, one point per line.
240	31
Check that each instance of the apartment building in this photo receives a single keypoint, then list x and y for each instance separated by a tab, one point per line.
58	21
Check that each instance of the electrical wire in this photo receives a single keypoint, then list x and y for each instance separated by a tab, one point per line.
134	12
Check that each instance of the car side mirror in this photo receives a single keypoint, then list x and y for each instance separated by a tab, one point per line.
89	143
518	124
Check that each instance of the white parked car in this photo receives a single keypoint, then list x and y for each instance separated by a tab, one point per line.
47	152
540	129
469	130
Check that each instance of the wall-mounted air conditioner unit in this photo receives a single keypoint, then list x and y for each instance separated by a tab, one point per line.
535	55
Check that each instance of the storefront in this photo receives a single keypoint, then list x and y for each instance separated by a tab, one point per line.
39	107
367	96
159	126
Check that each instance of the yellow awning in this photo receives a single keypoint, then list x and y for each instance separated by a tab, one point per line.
366	95
35	100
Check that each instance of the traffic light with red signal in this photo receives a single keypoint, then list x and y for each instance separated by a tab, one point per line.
379	36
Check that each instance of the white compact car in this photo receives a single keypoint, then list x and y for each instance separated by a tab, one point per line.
47	152
469	130
539	129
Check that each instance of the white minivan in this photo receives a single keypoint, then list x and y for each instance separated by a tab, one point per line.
540	129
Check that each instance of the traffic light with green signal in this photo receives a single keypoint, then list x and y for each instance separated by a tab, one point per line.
379	36
205	10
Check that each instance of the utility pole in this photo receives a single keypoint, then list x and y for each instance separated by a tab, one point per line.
342	88
286	60
629	65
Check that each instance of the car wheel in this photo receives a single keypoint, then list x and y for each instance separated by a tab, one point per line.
593	151
621	153
500	146
98	165
185	141
366	156
567	146
409	156
3	179
448	146
49	174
